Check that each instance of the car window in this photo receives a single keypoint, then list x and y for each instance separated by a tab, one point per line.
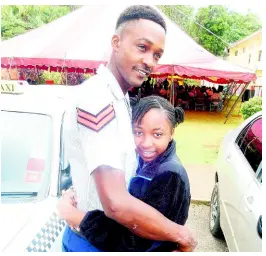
26	152
250	143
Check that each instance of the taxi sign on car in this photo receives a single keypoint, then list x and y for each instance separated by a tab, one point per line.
10	87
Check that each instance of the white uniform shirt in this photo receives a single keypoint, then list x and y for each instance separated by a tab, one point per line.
97	131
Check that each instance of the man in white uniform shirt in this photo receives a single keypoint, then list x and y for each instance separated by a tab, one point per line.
99	139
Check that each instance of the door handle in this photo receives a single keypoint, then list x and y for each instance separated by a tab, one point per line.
248	203
228	158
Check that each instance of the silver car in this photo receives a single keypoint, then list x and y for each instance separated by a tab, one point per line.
236	202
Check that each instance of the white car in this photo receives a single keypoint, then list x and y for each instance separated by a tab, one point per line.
34	171
236	202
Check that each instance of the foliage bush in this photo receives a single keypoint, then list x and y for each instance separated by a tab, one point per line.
251	107
60	78
55	76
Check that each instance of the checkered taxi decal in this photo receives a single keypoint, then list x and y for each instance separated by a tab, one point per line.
47	235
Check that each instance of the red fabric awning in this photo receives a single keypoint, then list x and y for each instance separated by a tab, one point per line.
211	75
81	41
58	65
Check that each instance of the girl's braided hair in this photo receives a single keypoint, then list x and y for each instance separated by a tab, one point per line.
140	106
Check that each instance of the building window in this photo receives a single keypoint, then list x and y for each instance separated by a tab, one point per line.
259	59
249	58
244	49
236	53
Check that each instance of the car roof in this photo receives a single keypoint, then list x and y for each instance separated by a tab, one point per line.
35	100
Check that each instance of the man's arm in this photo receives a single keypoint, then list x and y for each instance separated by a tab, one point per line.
139	217
119	205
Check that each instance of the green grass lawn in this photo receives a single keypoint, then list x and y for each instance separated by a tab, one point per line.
198	138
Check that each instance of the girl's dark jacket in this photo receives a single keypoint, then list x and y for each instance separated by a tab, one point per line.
164	185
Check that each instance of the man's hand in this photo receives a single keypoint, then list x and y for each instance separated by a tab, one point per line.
188	242
66	208
70	196
66	204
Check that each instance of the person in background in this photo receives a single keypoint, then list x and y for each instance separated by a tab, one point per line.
209	91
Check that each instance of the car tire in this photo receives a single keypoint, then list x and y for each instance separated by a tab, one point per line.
214	216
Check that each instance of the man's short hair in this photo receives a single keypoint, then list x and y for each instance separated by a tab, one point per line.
137	12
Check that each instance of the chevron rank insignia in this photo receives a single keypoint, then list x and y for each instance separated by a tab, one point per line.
98	121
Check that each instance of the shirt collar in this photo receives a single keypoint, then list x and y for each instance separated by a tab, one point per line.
150	169
112	82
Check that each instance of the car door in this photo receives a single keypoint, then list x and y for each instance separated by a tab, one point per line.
64	182
64	179
49	238
235	176
250	208
246	234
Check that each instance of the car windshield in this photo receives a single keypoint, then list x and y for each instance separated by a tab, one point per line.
25	153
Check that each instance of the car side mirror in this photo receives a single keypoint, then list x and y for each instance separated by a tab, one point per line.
65	179
259	226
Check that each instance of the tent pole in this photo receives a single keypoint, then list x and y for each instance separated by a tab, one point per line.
62	78
230	89
172	95
232	97
66	76
10	65
37	73
65	67
170	87
239	108
227	92
240	95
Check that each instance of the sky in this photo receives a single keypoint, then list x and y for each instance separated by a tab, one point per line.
243	8
238	6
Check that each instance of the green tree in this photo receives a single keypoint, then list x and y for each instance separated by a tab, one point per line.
10	23
241	26
227	25
214	19
180	14
18	19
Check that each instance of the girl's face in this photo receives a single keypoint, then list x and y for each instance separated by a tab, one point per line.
153	134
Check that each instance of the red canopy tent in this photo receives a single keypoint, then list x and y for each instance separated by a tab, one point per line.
80	41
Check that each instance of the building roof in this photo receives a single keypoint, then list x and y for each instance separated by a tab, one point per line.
245	38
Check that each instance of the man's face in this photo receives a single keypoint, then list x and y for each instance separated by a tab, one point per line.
139	48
